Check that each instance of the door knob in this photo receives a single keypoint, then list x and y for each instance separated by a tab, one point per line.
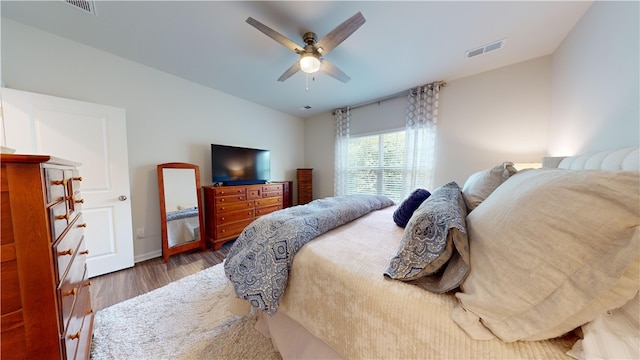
122	198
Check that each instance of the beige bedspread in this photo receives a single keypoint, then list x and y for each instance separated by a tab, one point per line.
338	292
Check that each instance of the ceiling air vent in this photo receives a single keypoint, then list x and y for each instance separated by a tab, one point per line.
496	45
87	6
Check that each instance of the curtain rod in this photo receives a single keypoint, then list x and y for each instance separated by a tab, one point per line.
390	97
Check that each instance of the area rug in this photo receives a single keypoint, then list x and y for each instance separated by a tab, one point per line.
187	319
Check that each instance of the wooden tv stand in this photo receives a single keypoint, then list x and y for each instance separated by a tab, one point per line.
229	209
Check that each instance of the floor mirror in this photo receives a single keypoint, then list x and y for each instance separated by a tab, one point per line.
180	208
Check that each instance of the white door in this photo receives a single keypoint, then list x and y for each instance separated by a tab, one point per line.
91	134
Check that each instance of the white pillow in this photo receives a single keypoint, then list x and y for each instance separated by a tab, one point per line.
552	249
481	184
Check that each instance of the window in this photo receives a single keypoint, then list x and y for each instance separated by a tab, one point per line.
376	163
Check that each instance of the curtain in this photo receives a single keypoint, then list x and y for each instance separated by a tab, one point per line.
420	138
341	168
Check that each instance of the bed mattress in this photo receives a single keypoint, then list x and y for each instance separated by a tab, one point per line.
338	293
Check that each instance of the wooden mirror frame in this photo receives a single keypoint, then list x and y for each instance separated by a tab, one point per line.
166	250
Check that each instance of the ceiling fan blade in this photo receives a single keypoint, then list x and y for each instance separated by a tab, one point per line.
286	42
340	33
334	72
290	71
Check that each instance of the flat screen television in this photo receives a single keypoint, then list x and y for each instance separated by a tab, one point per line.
232	165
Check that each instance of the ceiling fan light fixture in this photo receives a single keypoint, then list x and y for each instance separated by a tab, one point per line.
309	63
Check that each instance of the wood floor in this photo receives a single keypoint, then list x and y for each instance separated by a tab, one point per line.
110	289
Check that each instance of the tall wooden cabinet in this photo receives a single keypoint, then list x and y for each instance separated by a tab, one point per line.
46	307
229	209
305	186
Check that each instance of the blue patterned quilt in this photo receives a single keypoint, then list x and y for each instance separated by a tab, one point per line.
259	261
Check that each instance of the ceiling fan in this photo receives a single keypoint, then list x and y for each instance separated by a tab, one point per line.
312	54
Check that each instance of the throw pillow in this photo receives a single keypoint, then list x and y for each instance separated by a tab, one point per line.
431	235
481	184
403	213
551	250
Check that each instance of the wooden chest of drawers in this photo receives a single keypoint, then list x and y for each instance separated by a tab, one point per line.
229	209
305	186
46	307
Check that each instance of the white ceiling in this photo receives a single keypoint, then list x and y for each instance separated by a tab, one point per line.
401	45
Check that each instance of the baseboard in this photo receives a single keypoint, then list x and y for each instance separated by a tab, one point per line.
147	256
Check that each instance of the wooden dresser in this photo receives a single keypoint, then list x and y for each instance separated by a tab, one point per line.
229	209
46	307
305	186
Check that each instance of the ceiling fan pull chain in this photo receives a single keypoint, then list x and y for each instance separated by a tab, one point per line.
307	88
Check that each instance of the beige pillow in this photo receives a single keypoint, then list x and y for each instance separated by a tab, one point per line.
552	249
481	184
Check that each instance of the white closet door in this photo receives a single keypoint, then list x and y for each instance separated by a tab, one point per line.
94	135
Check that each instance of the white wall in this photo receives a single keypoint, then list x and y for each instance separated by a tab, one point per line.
168	119
484	120
595	90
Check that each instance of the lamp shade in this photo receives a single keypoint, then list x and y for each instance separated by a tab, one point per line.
309	63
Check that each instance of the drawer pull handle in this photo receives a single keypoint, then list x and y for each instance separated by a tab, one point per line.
79	178
62	217
59	182
73	292
88	283
75	336
84	252
81	201
66	252
83	225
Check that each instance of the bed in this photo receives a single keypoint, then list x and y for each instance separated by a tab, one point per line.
496	294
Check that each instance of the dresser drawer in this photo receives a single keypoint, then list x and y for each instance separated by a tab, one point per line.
270	188
59	219
232	229
267	209
84	347
76	179
253	193
55	184
230	199
69	289
66	248
272	193
268	201
228	217
227	207
233	190
75	318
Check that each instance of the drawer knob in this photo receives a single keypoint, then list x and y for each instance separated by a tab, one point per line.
88	283
90	311
62	217
75	336
73	292
222	219
81	201
59	182
84	252
79	178
66	252
83	225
